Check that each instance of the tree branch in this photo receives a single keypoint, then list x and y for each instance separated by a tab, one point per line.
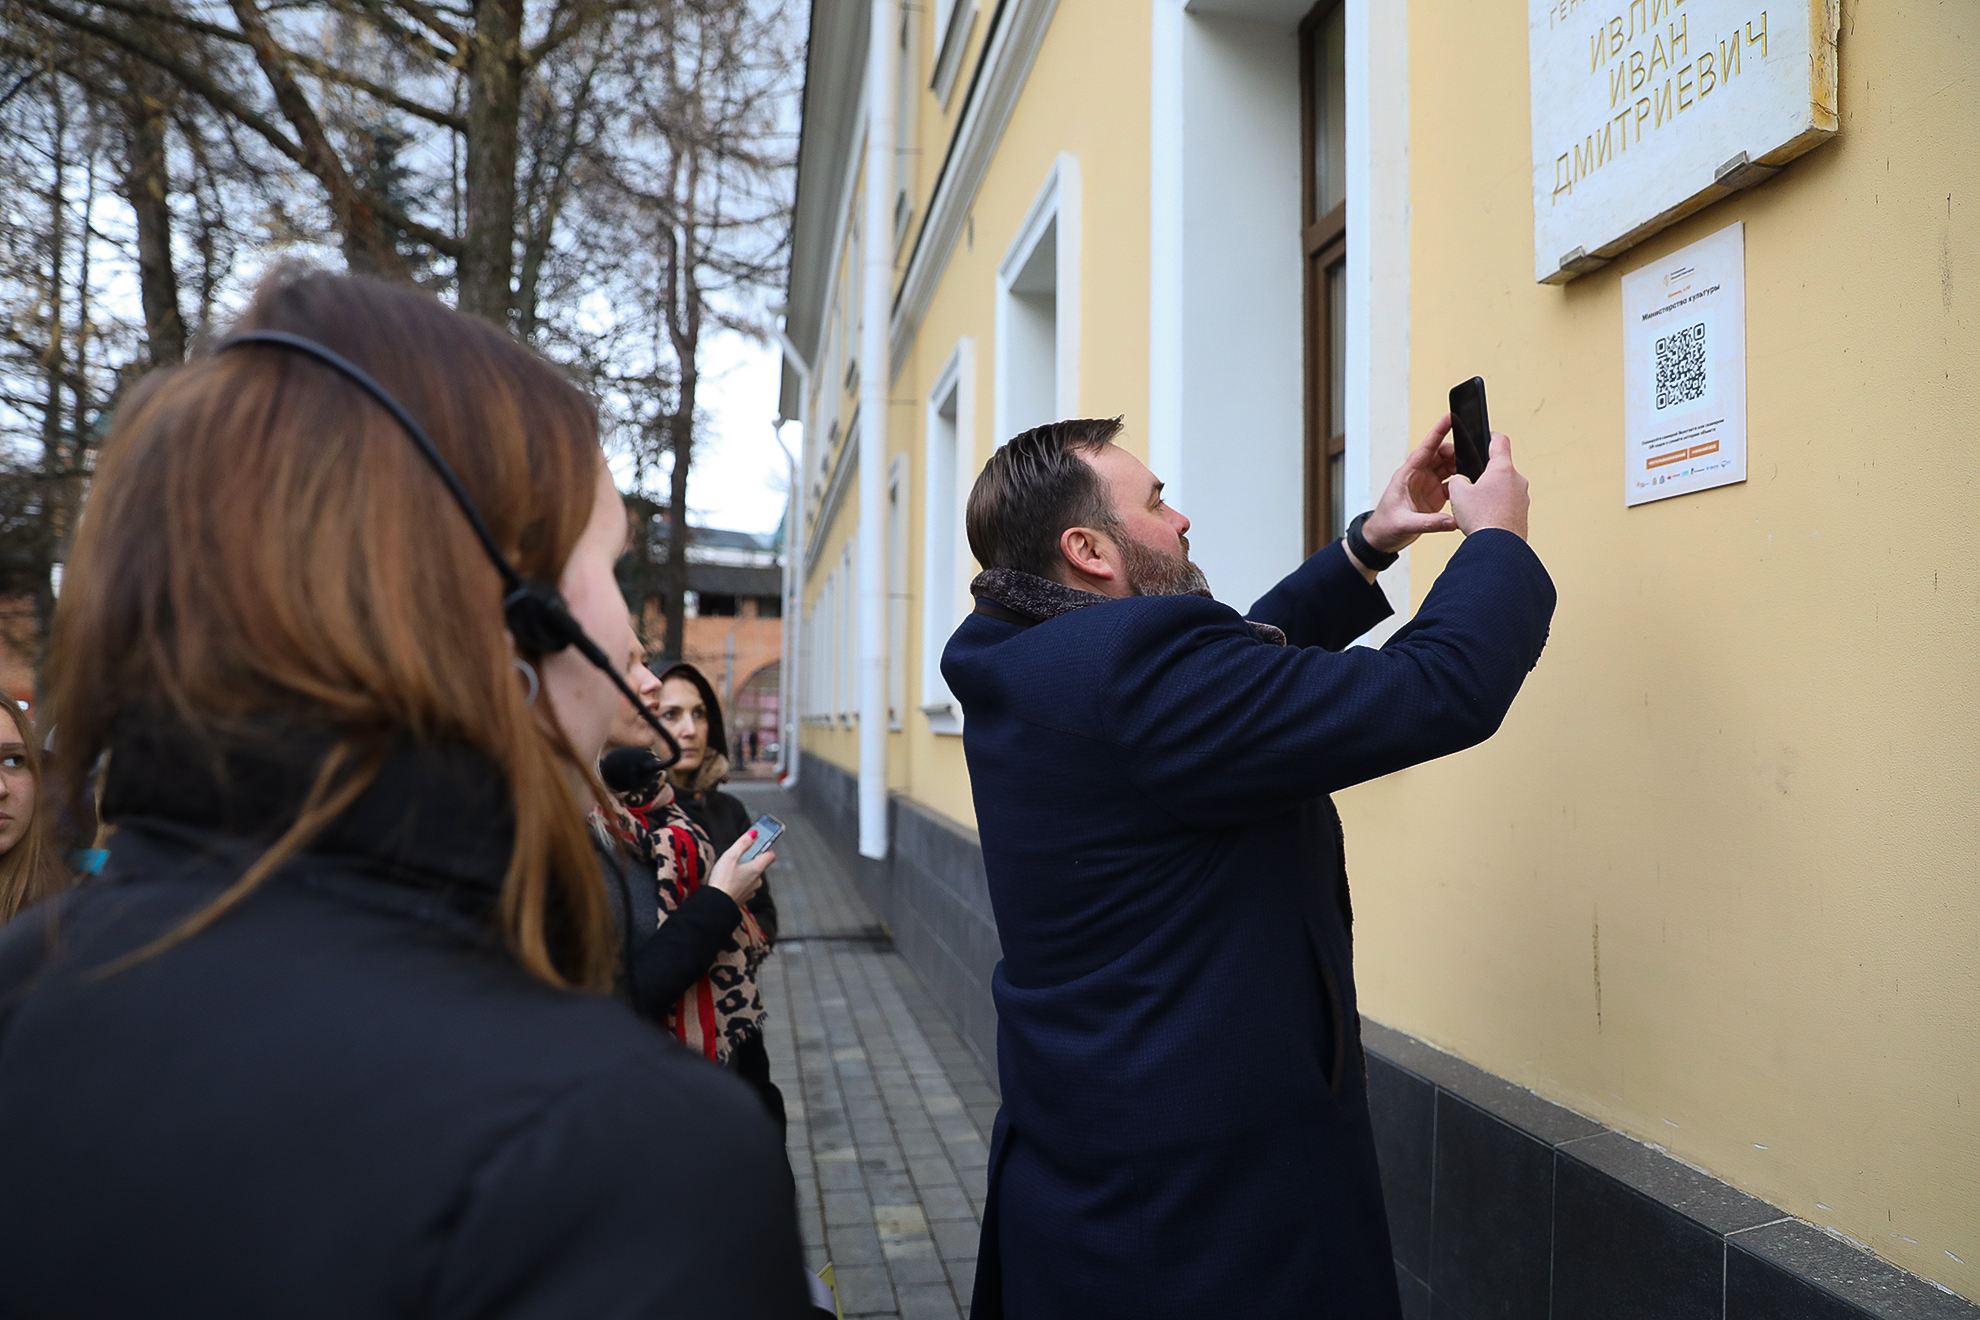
317	67
193	79
431	17
203	85
567	21
422	42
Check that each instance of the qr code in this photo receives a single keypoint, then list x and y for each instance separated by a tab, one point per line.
1681	366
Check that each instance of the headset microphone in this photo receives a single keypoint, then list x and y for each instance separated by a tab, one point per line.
537	616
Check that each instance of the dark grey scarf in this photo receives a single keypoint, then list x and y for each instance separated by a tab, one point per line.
1035	599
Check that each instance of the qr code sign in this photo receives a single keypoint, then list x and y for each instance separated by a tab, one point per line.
1681	367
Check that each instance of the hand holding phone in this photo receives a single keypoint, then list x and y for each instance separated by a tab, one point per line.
1471	429
1500	501
767	829
739	871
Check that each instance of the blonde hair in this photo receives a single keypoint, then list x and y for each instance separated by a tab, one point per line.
264	541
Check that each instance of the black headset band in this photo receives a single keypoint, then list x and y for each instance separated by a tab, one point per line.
535	613
511	579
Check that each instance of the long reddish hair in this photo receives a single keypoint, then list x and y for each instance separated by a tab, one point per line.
32	869
263	540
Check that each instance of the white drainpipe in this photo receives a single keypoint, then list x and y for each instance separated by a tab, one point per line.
877	261
787	672
788	715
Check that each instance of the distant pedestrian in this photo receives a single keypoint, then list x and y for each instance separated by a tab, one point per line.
31	866
331	1035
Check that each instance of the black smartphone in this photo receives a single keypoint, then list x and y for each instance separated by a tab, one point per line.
767	829
1471	430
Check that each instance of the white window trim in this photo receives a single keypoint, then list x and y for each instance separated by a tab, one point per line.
819	657
1010	46
899	590
1058	199
1196	91
954	21
957	376
847	701
835	620
1378	362
907	123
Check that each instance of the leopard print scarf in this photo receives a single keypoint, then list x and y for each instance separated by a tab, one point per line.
724	1008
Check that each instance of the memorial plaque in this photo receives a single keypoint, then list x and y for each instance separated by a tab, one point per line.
1684	370
1646	110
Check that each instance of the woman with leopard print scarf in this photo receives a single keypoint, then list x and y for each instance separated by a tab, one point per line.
717	1009
693	971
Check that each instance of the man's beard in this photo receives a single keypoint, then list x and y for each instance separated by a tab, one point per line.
1152	573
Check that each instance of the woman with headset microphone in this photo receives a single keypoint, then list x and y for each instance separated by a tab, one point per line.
332	1033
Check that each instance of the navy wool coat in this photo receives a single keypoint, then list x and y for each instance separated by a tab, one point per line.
1185	1127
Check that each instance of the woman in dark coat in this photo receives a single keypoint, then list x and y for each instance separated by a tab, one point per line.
696	974
332	1033
693	714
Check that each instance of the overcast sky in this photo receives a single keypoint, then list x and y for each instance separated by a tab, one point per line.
737	481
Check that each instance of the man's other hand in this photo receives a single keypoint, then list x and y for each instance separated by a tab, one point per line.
1414	501
1497	499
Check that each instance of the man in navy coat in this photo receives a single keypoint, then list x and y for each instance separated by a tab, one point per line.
1184	1130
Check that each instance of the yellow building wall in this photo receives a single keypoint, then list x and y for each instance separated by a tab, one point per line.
1717	881
824	736
1104	122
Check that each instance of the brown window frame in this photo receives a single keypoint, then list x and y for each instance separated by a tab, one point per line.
1323	244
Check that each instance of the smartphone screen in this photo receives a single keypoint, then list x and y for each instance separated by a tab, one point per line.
1471	430
767	829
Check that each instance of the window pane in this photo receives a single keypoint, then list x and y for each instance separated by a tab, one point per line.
1336	496
907	82
1329	56
1337	349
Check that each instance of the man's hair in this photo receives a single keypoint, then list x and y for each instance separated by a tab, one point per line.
1033	489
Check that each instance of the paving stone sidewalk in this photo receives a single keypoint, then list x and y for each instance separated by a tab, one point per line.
890	1113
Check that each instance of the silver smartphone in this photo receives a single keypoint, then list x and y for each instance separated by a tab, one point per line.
767	829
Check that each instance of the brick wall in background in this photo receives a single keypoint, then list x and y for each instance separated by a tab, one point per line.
758	644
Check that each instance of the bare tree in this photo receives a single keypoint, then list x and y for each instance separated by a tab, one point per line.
710	196
145	97
609	177
464	72
63	355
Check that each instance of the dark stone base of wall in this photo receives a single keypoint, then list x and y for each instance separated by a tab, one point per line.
1501	1204
930	891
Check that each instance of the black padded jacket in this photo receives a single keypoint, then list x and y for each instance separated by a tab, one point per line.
344	1098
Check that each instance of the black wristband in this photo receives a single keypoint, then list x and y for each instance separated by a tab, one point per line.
1358	546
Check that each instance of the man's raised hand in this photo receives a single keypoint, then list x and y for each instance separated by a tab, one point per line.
1414	501
1497	499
